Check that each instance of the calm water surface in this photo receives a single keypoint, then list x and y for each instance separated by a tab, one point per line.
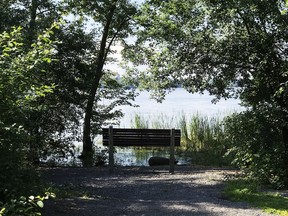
177	102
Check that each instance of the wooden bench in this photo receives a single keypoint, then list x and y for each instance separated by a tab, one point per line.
141	137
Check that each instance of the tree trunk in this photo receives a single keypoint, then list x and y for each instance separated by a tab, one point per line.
32	22
87	142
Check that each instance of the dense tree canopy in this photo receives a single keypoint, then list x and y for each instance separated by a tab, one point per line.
48	78
114	21
77	69
19	90
228	48
212	46
49	81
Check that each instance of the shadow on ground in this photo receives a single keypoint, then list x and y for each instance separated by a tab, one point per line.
141	191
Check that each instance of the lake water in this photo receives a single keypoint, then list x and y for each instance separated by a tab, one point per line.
176	103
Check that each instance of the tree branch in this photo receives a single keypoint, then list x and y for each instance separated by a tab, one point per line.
113	38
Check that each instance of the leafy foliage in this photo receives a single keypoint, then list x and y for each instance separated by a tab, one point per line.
19	89
44	87
211	45
42	117
256	146
113	18
54	121
231	49
23	206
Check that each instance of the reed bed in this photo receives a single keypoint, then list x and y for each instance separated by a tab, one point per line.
203	138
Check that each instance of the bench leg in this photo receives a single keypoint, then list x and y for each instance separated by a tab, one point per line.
111	153
172	151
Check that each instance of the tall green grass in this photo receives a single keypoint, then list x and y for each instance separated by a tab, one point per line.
203	138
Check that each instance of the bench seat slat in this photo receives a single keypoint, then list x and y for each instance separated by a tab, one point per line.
140	137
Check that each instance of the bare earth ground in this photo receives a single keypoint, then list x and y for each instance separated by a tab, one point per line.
146	191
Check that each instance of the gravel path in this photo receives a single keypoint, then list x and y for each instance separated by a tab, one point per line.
144	191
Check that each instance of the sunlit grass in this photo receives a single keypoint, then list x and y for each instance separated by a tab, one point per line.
249	191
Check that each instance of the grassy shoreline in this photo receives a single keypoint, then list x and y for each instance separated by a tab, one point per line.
202	138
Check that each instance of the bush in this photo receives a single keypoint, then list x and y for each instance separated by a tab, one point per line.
18	180
256	146
18	176
25	206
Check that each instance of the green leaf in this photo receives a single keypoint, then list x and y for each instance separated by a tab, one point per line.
48	60
2	211
40	204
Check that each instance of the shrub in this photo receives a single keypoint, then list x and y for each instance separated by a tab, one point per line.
17	177
256	146
25	206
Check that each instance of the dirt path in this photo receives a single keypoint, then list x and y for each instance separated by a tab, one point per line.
143	191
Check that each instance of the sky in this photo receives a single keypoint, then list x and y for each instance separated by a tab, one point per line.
117	55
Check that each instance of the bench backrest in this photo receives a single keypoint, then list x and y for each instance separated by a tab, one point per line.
140	137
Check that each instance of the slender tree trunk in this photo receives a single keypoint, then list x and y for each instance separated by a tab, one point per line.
32	22
87	142
34	117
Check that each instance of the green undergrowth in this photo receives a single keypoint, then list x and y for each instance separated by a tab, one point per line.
69	191
245	190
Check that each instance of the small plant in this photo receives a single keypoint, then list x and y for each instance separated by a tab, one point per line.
25	206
